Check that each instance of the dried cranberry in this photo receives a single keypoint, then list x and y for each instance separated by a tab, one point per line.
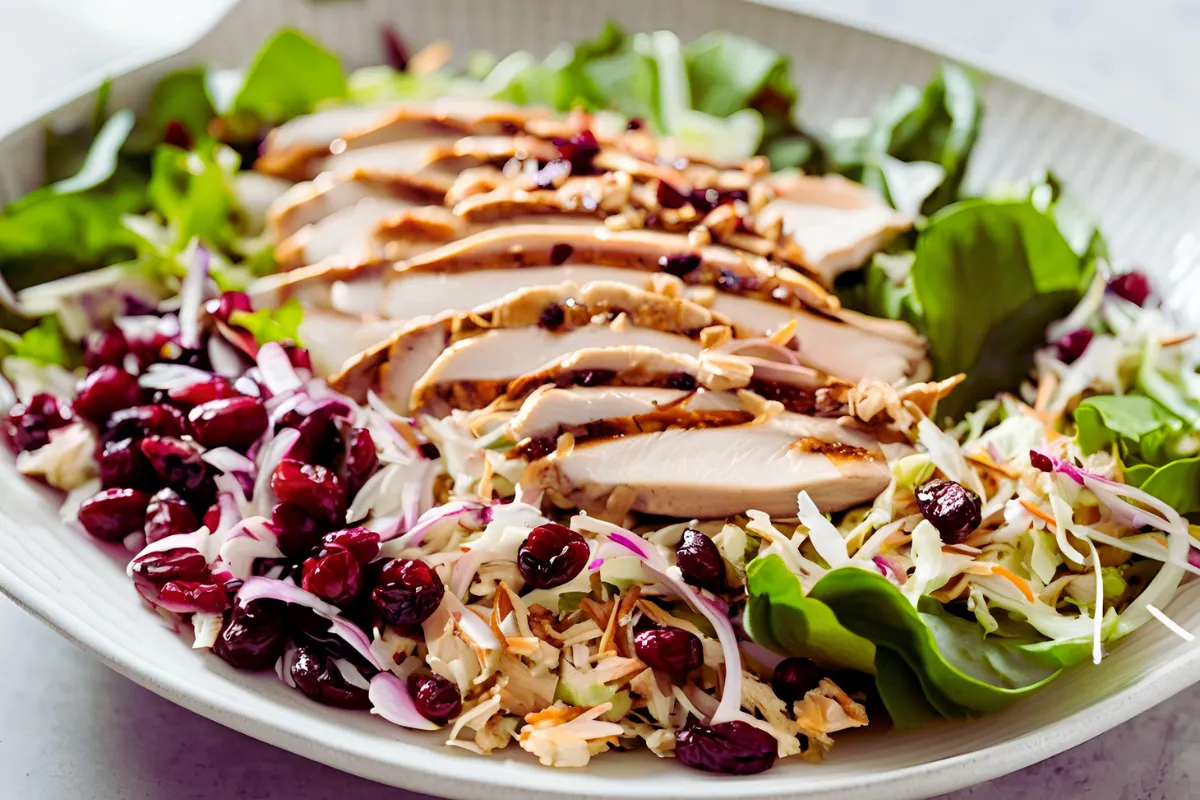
728	748
580	150
180	564
123	465
670	197
539	447
680	380
28	425
794	678
1040	461
560	253
361	460
319	442
336	577
139	422
362	543
315	674
950	507
408	592
552	317
178	463
105	347
216	389
1071	346
231	302
635	124
204	597
298	532
233	422
312	487
254	636
1132	286
113	514
593	377
429	450
104	391
168	515
672	650
700	561
679	264
436	698
551	555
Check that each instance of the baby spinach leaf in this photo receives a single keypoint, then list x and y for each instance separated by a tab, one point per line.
956	663
1105	420
902	695
990	275
289	76
782	619
936	125
1177	484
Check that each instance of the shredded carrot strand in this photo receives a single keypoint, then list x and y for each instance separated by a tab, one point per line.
1037	512
1015	580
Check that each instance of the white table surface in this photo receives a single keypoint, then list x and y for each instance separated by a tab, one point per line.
70	729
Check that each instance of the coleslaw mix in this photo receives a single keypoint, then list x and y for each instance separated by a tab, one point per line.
1032	483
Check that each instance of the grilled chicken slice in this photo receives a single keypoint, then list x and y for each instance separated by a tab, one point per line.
483	267
333	338
346	233
710	473
605	411
294	149
472	373
519	333
828	224
652	251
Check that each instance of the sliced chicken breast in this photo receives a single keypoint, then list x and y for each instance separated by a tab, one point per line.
710	473
473	372
653	251
346	233
290	150
588	412
549	319
333	338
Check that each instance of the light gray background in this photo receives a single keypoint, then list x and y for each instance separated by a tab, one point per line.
70	729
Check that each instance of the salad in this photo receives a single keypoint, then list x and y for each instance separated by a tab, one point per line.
597	402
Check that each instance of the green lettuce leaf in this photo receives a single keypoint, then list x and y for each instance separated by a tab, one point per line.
990	275
289	76
780	618
960	669
1176	484
1126	421
272	324
193	191
900	690
937	125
